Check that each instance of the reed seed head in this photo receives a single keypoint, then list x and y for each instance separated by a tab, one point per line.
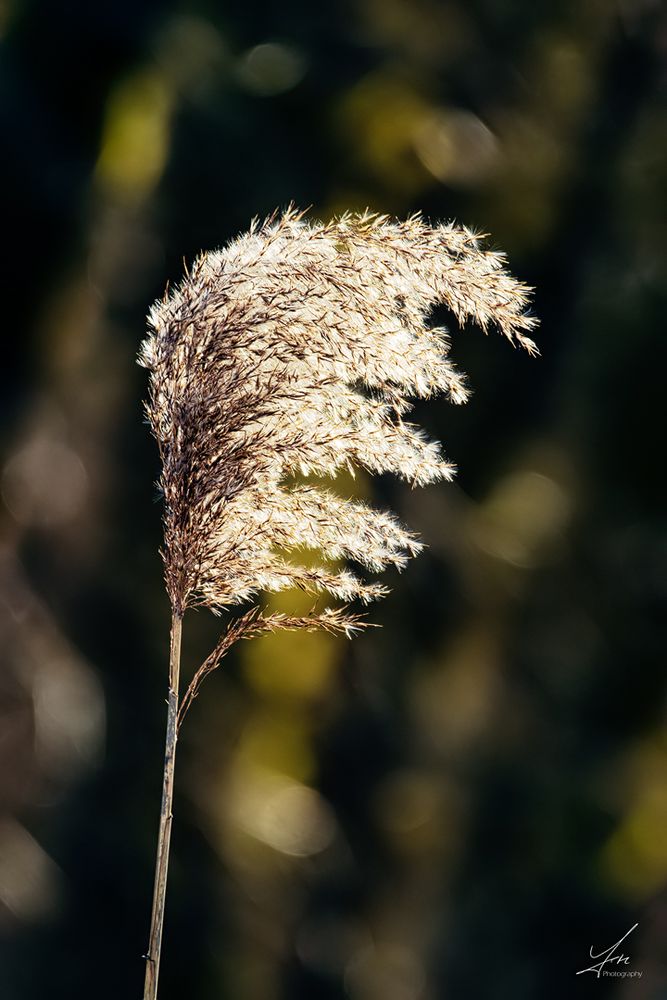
297	351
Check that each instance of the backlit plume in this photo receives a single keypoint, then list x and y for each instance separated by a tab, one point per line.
296	352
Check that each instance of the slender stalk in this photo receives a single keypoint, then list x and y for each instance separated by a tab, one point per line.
162	860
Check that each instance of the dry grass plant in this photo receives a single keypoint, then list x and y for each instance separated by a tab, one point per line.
297	351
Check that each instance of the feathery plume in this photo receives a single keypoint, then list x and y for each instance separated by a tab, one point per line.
298	351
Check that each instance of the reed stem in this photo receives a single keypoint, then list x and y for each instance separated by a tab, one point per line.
162	860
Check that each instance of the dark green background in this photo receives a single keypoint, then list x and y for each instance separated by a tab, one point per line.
488	772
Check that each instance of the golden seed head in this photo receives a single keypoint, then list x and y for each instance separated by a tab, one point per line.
298	350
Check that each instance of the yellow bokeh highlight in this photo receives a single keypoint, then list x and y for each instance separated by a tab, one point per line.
380	116
278	742
524	515
635	857
291	665
135	138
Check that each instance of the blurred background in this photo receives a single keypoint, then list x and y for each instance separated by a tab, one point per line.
461	804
